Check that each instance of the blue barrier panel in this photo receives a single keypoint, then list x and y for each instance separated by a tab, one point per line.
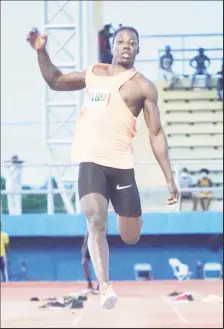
59	258
154	223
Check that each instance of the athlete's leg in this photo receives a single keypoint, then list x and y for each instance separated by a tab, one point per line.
130	228
94	196
126	202
94	207
92	185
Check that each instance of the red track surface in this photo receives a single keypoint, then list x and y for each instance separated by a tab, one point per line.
140	305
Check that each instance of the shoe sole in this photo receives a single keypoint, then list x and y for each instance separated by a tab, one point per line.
110	302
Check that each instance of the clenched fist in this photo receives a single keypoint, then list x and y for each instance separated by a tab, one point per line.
37	41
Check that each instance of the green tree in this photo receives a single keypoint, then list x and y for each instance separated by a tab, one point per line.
35	203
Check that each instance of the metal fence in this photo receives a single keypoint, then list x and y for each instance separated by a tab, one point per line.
184	47
150	196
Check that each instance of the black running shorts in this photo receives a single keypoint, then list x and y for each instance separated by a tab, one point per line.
117	185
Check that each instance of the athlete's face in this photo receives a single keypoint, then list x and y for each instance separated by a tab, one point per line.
125	48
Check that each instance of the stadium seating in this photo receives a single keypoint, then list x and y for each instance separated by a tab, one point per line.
193	123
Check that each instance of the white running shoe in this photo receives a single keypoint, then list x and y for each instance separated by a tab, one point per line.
95	291
108	296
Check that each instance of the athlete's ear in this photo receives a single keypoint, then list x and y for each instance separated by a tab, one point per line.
138	49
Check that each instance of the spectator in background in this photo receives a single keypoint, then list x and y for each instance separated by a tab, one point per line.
220	85
199	270
85	263
186	182
3	256
14	185
166	63
104	44
205	181
23	274
202	63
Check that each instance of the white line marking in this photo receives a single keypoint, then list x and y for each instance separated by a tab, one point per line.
175	310
81	313
79	317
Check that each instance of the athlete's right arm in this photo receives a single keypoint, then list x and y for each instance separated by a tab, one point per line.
55	79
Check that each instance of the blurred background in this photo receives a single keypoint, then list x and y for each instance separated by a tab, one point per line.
181	51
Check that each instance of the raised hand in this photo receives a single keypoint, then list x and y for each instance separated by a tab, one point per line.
174	195
36	40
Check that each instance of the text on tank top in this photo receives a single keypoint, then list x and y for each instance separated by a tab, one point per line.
105	126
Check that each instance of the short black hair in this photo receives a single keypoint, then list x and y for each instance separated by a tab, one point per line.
205	170
123	28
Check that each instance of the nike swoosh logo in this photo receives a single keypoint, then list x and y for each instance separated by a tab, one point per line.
122	187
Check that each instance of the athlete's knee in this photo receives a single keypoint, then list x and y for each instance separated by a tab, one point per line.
96	223
94	207
130	229
130	239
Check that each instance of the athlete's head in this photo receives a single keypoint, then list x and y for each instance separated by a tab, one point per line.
125	46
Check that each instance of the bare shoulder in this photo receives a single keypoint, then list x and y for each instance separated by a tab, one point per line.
100	69
149	89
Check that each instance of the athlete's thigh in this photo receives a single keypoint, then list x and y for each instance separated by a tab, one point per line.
93	194
92	179
123	193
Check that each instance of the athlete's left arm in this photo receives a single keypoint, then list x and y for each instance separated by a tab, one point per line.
157	136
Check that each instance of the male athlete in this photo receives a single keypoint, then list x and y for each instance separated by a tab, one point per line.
115	96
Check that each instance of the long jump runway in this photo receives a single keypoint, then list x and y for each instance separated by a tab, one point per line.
140	305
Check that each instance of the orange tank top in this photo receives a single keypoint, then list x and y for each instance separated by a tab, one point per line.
105	126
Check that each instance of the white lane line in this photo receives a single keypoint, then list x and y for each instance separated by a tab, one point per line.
78	317
82	312
175	310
